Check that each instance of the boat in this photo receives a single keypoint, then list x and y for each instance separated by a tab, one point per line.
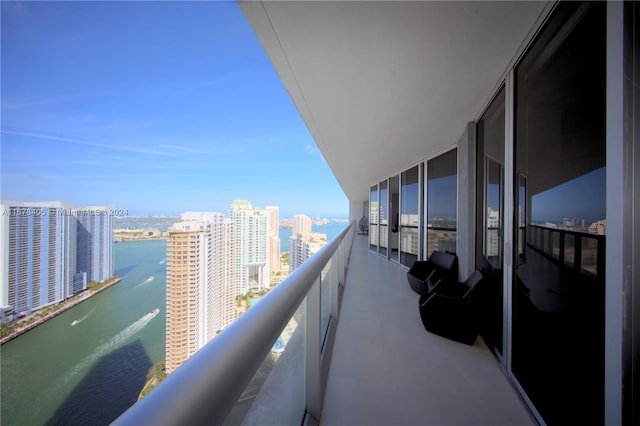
75	322
155	312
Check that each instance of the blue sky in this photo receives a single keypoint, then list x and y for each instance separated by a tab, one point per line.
153	107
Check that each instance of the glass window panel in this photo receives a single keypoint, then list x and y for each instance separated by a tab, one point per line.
442	201
373	218
409	217
383	216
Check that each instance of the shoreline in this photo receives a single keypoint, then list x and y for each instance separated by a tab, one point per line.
65	305
129	240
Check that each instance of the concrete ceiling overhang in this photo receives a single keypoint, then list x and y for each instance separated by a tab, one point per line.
384	85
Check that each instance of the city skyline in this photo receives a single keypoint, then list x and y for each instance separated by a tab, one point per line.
156	118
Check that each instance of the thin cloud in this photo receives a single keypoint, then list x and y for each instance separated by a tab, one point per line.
311	149
94	144
185	149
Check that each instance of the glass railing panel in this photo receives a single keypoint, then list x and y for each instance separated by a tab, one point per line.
545	240
589	255
555	244
327	287
277	392
569	250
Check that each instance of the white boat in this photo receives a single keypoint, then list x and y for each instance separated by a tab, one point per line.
75	322
155	312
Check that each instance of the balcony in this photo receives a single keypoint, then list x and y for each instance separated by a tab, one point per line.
376	365
387	369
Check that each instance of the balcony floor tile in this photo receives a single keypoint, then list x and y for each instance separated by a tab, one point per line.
386	369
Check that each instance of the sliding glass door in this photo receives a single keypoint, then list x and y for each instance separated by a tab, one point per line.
560	223
489	216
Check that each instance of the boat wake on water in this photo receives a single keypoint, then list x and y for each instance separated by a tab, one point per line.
109	346
78	321
148	280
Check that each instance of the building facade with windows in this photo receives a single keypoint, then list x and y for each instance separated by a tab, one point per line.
38	255
94	245
200	283
252	247
51	252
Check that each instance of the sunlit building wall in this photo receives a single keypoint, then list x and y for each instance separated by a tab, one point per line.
94	244
303	246
200	286
273	213
251	247
38	255
301	224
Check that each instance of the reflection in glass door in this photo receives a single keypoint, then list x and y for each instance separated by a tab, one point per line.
560	179
409	216
442	202
383	216
489	237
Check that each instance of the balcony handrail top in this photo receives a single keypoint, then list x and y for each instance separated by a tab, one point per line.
569	231
205	388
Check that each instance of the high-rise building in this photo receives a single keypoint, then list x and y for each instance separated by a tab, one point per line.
303	243
273	228
599	227
37	259
94	246
200	281
50	252
251	263
301	224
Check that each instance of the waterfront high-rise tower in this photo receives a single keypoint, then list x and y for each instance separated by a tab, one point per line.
94	246
200	282
37	255
251	247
